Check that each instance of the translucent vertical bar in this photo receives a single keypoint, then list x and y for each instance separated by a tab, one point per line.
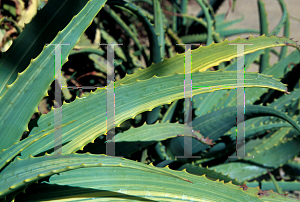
240	104
188	146
187	103
58	111
110	101
57	97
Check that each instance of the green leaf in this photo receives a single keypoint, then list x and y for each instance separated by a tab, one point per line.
226	119
282	20
11	9
127	29
210	174
285	185
158	26
153	40
6	155
23	172
206	57
41	30
272	158
265	58
21	99
131	181
109	39
209	22
240	170
278	155
95	184
277	70
135	139
132	99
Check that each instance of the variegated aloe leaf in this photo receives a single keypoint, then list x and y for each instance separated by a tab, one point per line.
96	184
41	30
6	155
132	181
22	172
241	170
216	99
265	143
249	59
132	99
226	119
253	94
270	152
135	139
209	173
206	57
278	104
261	128
279	154
21	99
272	158
201	102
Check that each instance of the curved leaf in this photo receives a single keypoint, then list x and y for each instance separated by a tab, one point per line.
226	119
206	57
41	30
22	172
21	99
132	99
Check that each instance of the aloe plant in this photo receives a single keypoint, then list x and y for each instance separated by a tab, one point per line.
148	107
